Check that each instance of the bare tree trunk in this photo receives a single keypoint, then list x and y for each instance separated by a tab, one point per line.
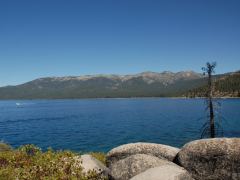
212	124
209	69
210	96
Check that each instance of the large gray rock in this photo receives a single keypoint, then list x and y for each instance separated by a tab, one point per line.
126	168
209	159
89	163
158	150
165	172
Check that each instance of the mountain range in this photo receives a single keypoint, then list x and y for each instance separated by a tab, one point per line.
146	84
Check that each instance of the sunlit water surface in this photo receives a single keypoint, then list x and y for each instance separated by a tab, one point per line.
101	124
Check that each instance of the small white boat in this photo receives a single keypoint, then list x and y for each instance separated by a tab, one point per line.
18	104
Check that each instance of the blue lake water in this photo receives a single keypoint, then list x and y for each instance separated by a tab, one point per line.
101	124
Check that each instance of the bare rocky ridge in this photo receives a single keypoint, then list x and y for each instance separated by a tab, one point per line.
166	77
146	84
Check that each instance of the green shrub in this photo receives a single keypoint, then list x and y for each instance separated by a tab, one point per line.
30	149
5	147
29	162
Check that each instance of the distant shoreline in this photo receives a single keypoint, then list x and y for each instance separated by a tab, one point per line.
118	98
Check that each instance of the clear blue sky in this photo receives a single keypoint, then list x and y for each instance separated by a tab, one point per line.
41	38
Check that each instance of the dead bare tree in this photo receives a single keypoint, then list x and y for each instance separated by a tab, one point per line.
210	127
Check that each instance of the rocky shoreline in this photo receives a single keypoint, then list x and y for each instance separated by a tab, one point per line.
205	159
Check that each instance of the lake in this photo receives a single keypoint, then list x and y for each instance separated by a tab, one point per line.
101	124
